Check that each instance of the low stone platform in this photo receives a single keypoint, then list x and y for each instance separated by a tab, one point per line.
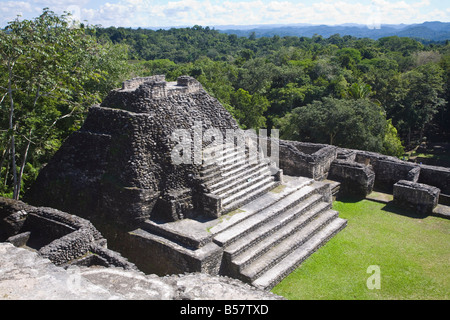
442	211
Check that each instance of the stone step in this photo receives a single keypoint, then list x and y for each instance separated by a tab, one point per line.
274	275
220	156
219	150
228	182
227	156
277	253
264	201
254	244
224	170
226	237
237	190
221	174
252	195
249	193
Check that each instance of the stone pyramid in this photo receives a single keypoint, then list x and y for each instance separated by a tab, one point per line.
119	167
164	172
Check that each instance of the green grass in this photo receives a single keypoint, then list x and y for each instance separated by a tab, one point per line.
412	252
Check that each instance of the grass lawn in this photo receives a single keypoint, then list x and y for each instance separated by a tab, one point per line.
412	253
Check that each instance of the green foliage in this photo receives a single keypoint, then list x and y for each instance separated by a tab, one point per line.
292	72
356	124
418	96
359	91
52	72
250	109
392	144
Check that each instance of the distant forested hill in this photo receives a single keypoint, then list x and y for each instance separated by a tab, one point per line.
428	31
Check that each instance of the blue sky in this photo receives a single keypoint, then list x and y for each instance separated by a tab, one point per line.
159	13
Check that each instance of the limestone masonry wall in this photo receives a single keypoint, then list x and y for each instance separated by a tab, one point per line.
62	238
419	197
306	159
359	172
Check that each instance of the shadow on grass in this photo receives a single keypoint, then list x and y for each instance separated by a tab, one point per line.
390	206
349	198
393	208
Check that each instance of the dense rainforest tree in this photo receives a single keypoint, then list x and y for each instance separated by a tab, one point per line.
355	123
417	98
51	72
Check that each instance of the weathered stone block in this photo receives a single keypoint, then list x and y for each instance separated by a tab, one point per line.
212	205
346	154
162	256
355	178
420	197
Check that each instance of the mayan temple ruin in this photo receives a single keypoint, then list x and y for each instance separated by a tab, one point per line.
163	172
219	206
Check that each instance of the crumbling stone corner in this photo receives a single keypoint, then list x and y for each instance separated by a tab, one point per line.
417	196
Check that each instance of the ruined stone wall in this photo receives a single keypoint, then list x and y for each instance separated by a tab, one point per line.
355	178
306	159
359	171
62	238
435	176
419	197
388	170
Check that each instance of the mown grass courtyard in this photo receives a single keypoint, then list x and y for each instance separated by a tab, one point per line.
410	252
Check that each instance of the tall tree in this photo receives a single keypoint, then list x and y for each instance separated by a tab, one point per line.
52	75
249	109
357	124
420	97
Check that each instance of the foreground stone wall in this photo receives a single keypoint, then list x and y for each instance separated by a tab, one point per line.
27	276
62	238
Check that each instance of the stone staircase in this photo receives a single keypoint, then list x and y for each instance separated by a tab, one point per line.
274	239
236	176
267	224
277	231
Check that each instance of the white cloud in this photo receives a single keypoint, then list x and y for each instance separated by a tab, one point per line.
11	9
147	13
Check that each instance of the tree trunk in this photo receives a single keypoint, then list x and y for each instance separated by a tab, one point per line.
11	129
409	136
332	138
22	167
